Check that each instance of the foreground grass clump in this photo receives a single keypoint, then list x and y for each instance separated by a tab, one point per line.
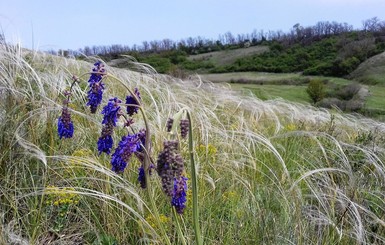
269	172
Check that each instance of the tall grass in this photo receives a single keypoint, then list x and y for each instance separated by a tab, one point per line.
269	172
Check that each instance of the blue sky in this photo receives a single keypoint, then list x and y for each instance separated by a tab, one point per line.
70	24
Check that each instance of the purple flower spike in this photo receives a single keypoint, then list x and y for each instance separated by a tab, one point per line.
127	146
131	110
111	111
141	178
105	144
169	165
141	175
179	195
95	94
64	125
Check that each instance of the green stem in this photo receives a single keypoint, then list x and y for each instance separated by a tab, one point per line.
179	229
198	237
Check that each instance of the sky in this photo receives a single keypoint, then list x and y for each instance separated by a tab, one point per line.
74	24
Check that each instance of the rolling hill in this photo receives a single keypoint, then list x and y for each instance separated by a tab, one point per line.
228	57
371	71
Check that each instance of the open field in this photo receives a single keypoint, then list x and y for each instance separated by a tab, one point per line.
259	172
267	78
290	86
227	57
266	92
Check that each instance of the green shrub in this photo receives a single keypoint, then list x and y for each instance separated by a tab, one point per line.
316	90
332	102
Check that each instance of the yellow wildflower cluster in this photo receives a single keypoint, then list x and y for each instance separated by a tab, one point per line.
291	127
230	196
164	220
60	196
82	153
209	149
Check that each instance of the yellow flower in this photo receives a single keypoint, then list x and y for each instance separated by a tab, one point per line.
230	196
82	153
57	196
291	127
151	220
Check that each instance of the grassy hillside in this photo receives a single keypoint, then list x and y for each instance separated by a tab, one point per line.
228	57
267	172
372	71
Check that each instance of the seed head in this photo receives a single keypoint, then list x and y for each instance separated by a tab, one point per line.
184	127
169	165
169	123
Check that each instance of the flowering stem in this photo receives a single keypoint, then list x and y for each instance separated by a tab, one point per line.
198	237
146	163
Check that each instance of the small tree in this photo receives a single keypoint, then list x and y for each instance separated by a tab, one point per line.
316	90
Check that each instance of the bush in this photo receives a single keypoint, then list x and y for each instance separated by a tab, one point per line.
349	91
354	105
316	90
348	65
332	102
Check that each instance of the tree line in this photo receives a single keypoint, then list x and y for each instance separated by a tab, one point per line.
228	40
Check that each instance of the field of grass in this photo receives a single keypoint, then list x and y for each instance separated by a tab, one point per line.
291	93
267	172
268	78
290	87
228	57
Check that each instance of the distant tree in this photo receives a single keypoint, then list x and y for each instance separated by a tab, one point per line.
190	42
371	25
146	46
230	39
167	44
154	46
87	51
